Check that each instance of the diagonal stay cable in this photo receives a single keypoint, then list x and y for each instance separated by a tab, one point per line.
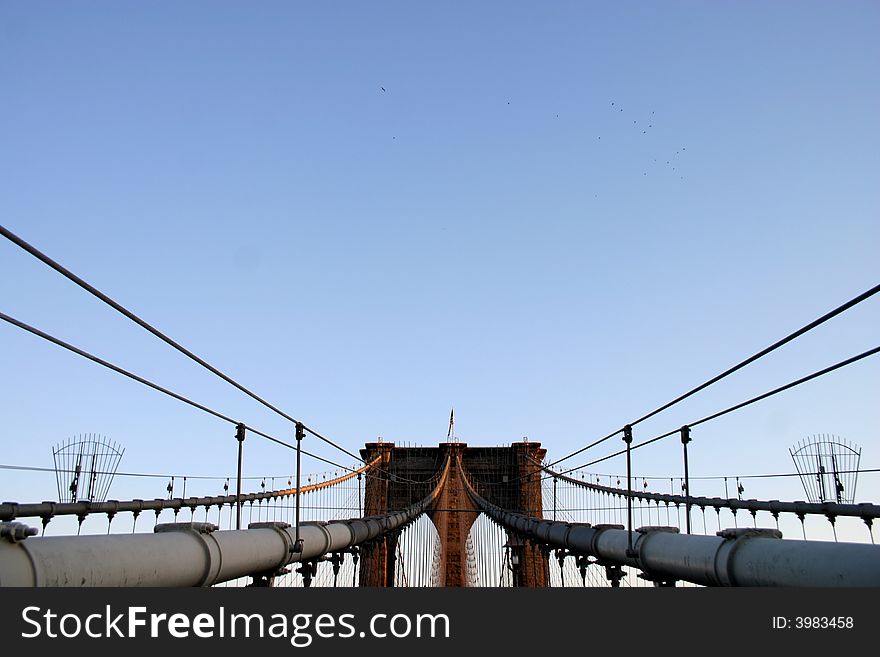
154	386
162	475
735	407
791	336
15	239
170	393
809	377
584	449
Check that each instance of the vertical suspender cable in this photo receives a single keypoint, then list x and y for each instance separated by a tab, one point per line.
298	543
628	438
685	439
239	436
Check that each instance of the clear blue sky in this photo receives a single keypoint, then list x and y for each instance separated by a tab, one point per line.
498	230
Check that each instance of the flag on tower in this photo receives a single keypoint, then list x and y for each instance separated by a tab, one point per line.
450	433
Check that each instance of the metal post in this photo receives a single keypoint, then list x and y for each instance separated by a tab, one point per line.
239	436
360	504
300	433
685	439
554	500
355	557
628	438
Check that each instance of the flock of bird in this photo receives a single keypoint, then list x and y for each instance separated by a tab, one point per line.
649	125
645	127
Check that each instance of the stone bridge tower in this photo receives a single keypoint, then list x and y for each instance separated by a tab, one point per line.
510	478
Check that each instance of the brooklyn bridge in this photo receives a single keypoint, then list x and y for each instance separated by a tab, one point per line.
452	514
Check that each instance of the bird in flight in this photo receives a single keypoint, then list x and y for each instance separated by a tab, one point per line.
382	88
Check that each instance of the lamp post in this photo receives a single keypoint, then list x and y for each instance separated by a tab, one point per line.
514	547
